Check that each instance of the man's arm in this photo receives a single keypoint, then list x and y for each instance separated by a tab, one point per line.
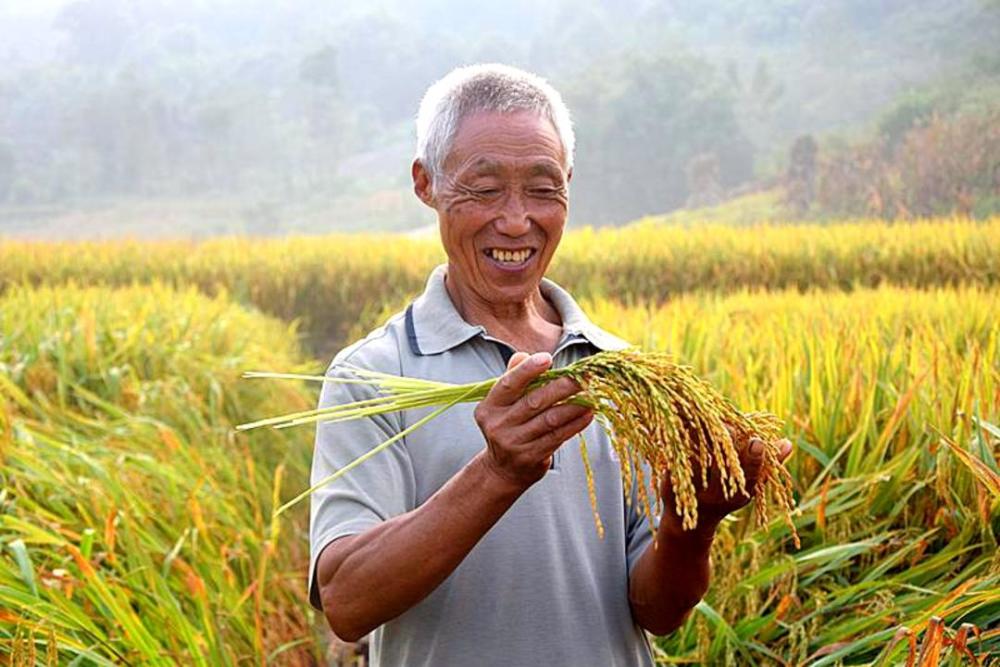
670	579
372	577
360	575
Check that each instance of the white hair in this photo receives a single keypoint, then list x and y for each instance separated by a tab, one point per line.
484	88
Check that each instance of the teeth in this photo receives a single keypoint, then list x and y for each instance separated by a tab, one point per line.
510	256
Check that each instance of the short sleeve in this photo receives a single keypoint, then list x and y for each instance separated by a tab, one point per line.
376	490
638	535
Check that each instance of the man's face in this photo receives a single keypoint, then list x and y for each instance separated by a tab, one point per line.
502	202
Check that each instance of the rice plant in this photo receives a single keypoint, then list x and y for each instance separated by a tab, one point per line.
134	524
657	412
331	283
892	397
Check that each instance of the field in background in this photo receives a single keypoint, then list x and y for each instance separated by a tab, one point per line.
135	524
331	283
152	218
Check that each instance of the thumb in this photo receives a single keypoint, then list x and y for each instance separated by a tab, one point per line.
755	459
516	359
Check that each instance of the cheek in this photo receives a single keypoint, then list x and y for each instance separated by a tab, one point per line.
459	230
553	222
468	219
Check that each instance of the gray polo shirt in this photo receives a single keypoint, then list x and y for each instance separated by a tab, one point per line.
540	588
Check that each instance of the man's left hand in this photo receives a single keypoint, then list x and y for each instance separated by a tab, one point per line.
713	505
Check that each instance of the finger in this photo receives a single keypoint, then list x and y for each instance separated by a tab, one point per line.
549	420
752	458
511	385
555	438
785	449
541	399
516	359
732	431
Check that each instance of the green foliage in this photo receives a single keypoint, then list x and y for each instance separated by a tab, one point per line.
675	109
926	165
907	112
133	522
753	209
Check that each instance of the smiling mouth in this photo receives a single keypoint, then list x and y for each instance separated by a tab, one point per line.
509	257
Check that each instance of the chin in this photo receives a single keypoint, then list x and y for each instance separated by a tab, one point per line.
514	293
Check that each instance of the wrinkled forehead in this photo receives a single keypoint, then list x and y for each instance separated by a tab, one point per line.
488	166
489	143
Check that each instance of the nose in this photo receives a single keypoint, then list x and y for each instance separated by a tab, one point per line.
514	218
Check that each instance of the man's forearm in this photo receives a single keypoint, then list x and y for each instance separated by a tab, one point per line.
670	579
359	575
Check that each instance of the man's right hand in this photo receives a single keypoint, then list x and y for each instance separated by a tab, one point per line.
358	575
524	428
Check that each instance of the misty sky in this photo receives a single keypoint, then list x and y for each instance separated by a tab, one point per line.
270	117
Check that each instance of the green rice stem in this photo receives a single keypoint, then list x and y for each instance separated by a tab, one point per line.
654	410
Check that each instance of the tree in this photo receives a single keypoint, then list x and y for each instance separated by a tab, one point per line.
704	188
800	179
641	119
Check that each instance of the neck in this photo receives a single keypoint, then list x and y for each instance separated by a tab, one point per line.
531	325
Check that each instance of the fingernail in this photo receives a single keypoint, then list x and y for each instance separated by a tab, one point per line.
541	358
756	446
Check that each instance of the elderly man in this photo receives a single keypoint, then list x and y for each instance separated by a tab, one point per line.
471	541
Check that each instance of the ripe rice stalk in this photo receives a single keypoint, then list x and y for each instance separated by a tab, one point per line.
131	533
339	283
656	411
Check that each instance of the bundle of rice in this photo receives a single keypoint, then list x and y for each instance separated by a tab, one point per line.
654	409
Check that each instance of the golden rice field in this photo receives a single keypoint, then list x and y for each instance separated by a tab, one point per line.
330	283
135	523
896	526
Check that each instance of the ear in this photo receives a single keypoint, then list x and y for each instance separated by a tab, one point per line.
422	183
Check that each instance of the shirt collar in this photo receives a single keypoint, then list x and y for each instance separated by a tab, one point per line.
433	324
